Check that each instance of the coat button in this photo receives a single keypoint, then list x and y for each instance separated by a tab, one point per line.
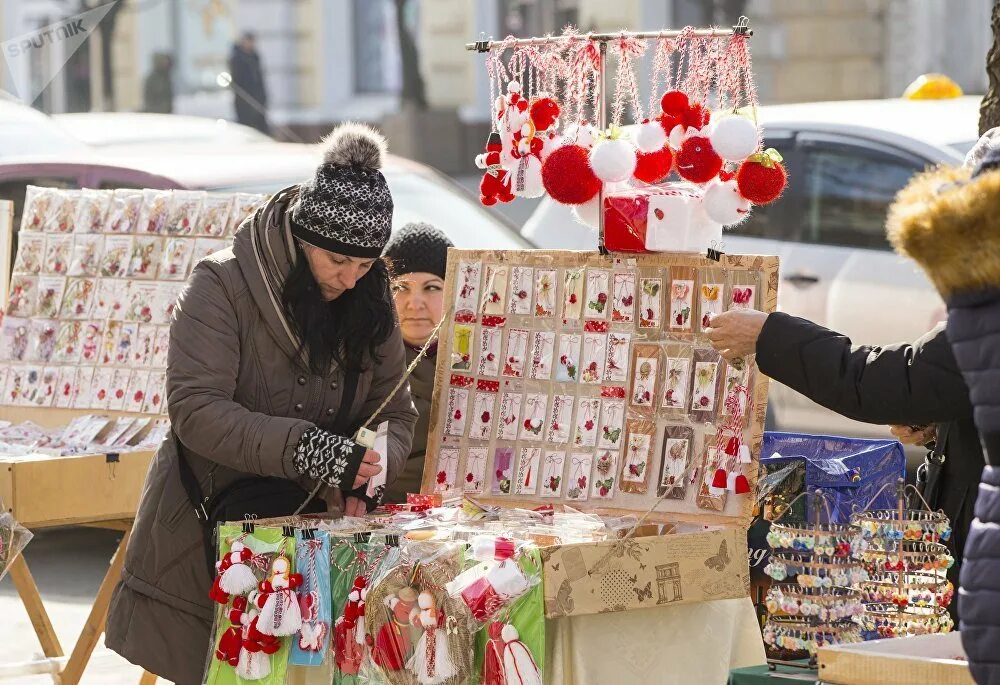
301	380
333	385
329	412
298	407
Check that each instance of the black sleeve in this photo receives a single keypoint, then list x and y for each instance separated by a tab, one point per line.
916	383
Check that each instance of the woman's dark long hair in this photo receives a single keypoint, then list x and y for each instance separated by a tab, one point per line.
347	331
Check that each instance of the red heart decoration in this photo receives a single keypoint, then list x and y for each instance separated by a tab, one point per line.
658	213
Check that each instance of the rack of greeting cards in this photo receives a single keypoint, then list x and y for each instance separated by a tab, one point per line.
82	362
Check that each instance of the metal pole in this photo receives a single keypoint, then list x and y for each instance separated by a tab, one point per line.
602	123
486	45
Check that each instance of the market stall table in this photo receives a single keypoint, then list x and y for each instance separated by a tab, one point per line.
763	675
689	643
100	490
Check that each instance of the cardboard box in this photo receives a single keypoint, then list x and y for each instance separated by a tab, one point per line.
641	572
899	661
54	491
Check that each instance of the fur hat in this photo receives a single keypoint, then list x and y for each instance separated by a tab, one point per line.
346	207
947	219
418	248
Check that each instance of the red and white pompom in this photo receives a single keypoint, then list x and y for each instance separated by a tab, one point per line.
567	176
650	137
735	138
697	160
613	160
762	178
724	204
653	167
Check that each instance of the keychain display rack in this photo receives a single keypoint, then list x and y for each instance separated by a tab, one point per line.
814	601
906	591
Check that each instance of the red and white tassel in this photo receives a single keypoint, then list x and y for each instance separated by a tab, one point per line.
518	664
238	579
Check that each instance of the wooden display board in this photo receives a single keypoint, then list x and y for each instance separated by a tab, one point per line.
510	315
493	422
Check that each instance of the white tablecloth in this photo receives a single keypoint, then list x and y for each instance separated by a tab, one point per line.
691	644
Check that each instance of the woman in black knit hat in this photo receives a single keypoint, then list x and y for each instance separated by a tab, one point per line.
419	255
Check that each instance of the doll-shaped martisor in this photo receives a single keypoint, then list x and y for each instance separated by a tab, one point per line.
431	661
349	630
279	606
394	641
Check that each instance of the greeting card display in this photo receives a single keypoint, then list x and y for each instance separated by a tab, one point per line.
588	379
95	281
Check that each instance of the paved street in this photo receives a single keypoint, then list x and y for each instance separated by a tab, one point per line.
68	565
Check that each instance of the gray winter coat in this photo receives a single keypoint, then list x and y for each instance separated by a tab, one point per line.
239	399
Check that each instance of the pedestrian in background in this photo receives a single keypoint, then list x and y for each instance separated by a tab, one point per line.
158	90
249	90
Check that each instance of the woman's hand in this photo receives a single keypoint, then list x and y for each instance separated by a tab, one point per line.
369	467
734	333
354	507
914	435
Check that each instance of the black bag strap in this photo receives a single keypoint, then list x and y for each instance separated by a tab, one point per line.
341	422
189	481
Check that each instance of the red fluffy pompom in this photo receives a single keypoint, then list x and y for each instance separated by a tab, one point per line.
697	160
674	102
697	116
760	179
653	166
567	176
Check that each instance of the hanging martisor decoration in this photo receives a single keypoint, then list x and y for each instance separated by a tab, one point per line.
689	165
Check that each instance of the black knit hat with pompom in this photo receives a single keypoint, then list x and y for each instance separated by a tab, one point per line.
346	207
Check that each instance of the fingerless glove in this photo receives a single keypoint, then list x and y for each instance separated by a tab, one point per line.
332	459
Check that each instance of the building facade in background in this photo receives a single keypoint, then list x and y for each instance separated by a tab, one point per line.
331	60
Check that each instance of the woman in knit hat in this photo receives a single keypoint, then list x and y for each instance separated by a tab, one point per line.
280	349
948	221
419	256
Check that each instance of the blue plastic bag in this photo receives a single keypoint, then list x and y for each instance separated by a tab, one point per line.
850	471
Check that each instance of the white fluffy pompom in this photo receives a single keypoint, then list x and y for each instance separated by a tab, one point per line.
509	633
650	137
723	203
734	138
579	134
613	160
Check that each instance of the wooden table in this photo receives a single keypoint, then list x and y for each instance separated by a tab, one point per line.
100	490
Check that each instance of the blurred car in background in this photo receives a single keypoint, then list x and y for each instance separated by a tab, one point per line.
26	131
111	129
846	161
419	192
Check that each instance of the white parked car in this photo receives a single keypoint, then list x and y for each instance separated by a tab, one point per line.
846	161
109	129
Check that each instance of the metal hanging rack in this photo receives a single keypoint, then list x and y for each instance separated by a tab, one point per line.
742	27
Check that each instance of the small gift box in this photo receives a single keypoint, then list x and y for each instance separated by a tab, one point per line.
667	217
